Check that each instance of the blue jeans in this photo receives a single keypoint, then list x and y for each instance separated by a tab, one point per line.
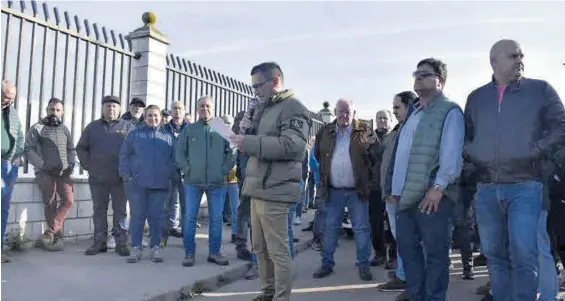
172	203
147	204
232	191
291	211
319	218
359	214
302	201
461	223
508	217
9	176
392	211
548	286
193	196
427	273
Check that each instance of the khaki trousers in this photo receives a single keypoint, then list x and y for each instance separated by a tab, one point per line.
269	238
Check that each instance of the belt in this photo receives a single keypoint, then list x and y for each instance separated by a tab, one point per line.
342	188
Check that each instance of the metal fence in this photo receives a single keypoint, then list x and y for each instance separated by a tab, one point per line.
48	55
187	81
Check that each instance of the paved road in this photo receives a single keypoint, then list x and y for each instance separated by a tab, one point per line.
344	284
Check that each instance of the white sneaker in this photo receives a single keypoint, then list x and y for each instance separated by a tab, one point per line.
297	221
111	242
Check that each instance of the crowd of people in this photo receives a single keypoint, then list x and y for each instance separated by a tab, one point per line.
487	177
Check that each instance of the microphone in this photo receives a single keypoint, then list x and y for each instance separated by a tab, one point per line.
251	109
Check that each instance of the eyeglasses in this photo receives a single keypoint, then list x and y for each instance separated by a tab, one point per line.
416	74
259	85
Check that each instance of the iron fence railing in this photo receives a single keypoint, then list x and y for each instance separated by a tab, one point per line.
188	81
48	55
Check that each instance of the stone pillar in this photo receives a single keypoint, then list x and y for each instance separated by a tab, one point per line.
149	67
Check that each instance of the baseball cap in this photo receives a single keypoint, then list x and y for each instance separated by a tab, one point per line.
112	99
138	101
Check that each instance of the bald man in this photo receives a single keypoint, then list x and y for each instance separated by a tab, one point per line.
513	123
342	150
12	151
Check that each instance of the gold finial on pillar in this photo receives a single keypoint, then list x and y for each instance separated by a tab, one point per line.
149	18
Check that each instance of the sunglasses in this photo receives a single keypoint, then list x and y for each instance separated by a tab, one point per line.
416	74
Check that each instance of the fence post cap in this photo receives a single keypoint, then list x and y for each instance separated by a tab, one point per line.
149	18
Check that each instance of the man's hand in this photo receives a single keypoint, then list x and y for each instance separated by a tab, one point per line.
244	124
430	203
237	141
19	161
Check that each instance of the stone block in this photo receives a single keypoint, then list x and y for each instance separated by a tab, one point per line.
29	212
12	214
153	74
73	211
82	192
157	47
35	229
77	226
84	209
145	44
151	58
24	193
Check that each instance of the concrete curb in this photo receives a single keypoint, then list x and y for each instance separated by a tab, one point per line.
215	282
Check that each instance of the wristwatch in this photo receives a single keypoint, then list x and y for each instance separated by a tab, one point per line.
438	187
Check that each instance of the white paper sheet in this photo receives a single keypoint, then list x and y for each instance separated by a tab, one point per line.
221	127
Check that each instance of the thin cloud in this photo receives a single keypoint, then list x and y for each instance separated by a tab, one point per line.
354	33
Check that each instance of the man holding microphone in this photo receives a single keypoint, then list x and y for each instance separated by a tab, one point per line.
276	147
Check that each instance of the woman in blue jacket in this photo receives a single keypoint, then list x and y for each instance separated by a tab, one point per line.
147	166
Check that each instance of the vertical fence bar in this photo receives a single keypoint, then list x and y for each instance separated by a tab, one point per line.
65	66
85	79
43	55
55	52
121	38
113	62
128	95
95	77
19	54
105	36
31	52
75	75
6	46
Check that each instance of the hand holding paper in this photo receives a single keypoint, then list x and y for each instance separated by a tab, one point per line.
222	128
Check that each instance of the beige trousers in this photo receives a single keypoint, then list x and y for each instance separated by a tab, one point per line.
269	228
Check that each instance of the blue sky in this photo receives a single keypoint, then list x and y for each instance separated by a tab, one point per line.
364	51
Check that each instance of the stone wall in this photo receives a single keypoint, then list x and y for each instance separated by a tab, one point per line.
26	210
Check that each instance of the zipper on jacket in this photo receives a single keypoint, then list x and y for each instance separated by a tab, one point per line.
153	151
57	145
206	151
497	137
